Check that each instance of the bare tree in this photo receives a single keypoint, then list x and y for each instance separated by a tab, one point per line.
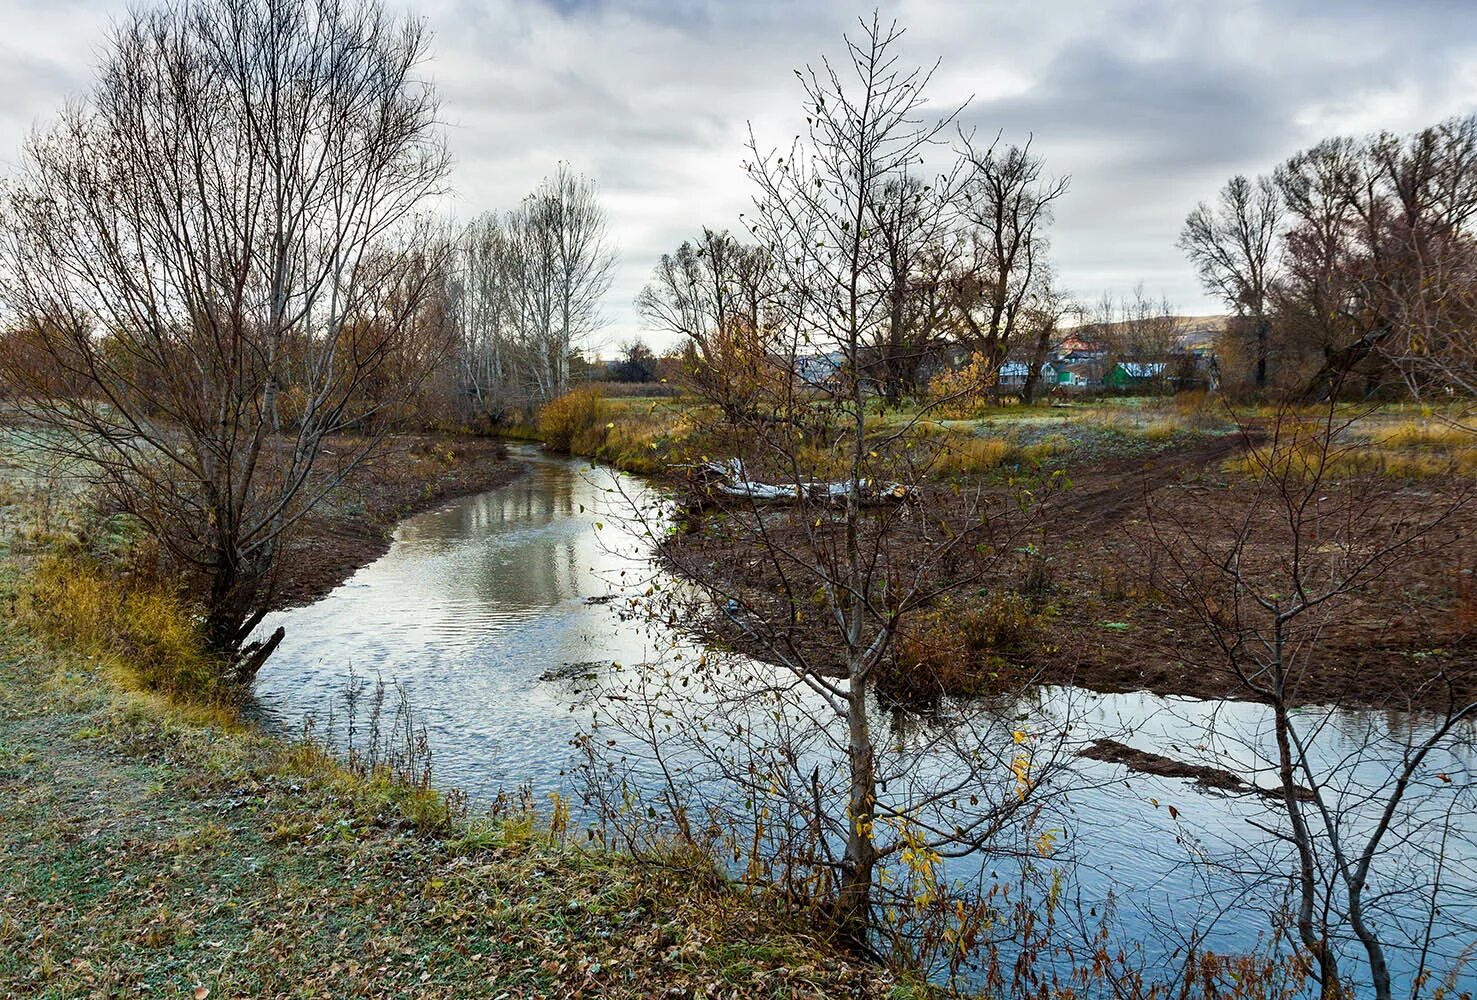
718	294
1008	205
567	267
1043	322
1291	561
918	226
530	284
837	552
206	229
484	296
1233	248
1379	253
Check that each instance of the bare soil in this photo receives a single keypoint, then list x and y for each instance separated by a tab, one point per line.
1107	622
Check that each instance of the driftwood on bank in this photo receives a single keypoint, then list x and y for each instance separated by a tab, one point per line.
729	479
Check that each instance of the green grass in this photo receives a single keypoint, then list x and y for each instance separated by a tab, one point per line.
150	846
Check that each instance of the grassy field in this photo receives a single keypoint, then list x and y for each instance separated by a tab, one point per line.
648	434
156	847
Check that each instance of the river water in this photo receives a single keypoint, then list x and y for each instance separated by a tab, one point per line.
474	603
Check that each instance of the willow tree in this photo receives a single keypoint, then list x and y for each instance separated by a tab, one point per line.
221	230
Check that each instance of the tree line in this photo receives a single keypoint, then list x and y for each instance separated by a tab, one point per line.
1351	264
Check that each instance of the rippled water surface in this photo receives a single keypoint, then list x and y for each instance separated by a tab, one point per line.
473	603
468	608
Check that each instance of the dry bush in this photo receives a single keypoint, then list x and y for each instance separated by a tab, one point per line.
963	647
143	631
1423	434
1161	430
569	421
636	442
1408	450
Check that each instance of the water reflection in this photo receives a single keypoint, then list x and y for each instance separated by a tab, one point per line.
470	605
474	602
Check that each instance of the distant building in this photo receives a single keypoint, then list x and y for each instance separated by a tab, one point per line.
1082	375
1133	374
1074	350
820	371
1015	373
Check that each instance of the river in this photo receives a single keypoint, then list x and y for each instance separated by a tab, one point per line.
475	602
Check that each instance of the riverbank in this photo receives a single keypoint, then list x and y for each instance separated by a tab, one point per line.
163	847
1088	602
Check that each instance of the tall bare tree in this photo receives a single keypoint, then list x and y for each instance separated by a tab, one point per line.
530	283
208	227
1008	205
484	301
917	225
718	293
1044	323
1233	247
837	557
568	262
1379	252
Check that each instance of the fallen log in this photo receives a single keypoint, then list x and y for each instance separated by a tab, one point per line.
730	479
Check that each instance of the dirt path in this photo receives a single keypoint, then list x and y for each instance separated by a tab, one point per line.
1106	493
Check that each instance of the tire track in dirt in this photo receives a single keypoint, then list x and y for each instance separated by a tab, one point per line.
1105	494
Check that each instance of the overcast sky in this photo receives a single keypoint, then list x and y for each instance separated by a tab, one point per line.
1148	105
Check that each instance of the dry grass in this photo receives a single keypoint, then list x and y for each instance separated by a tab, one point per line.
143	635
965	455
1410	449
1424	434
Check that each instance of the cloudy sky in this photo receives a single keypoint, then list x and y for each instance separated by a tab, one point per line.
1148	104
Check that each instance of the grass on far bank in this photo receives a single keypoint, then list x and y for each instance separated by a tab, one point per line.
648	435
153	843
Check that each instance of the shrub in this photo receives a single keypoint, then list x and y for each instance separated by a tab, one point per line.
143	630
963	647
571	420
962	392
1406	451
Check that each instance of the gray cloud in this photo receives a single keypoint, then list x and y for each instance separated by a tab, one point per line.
1148	104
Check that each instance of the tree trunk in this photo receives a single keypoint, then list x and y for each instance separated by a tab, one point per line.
1038	362
1263	337
854	903
1340	362
1316	943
